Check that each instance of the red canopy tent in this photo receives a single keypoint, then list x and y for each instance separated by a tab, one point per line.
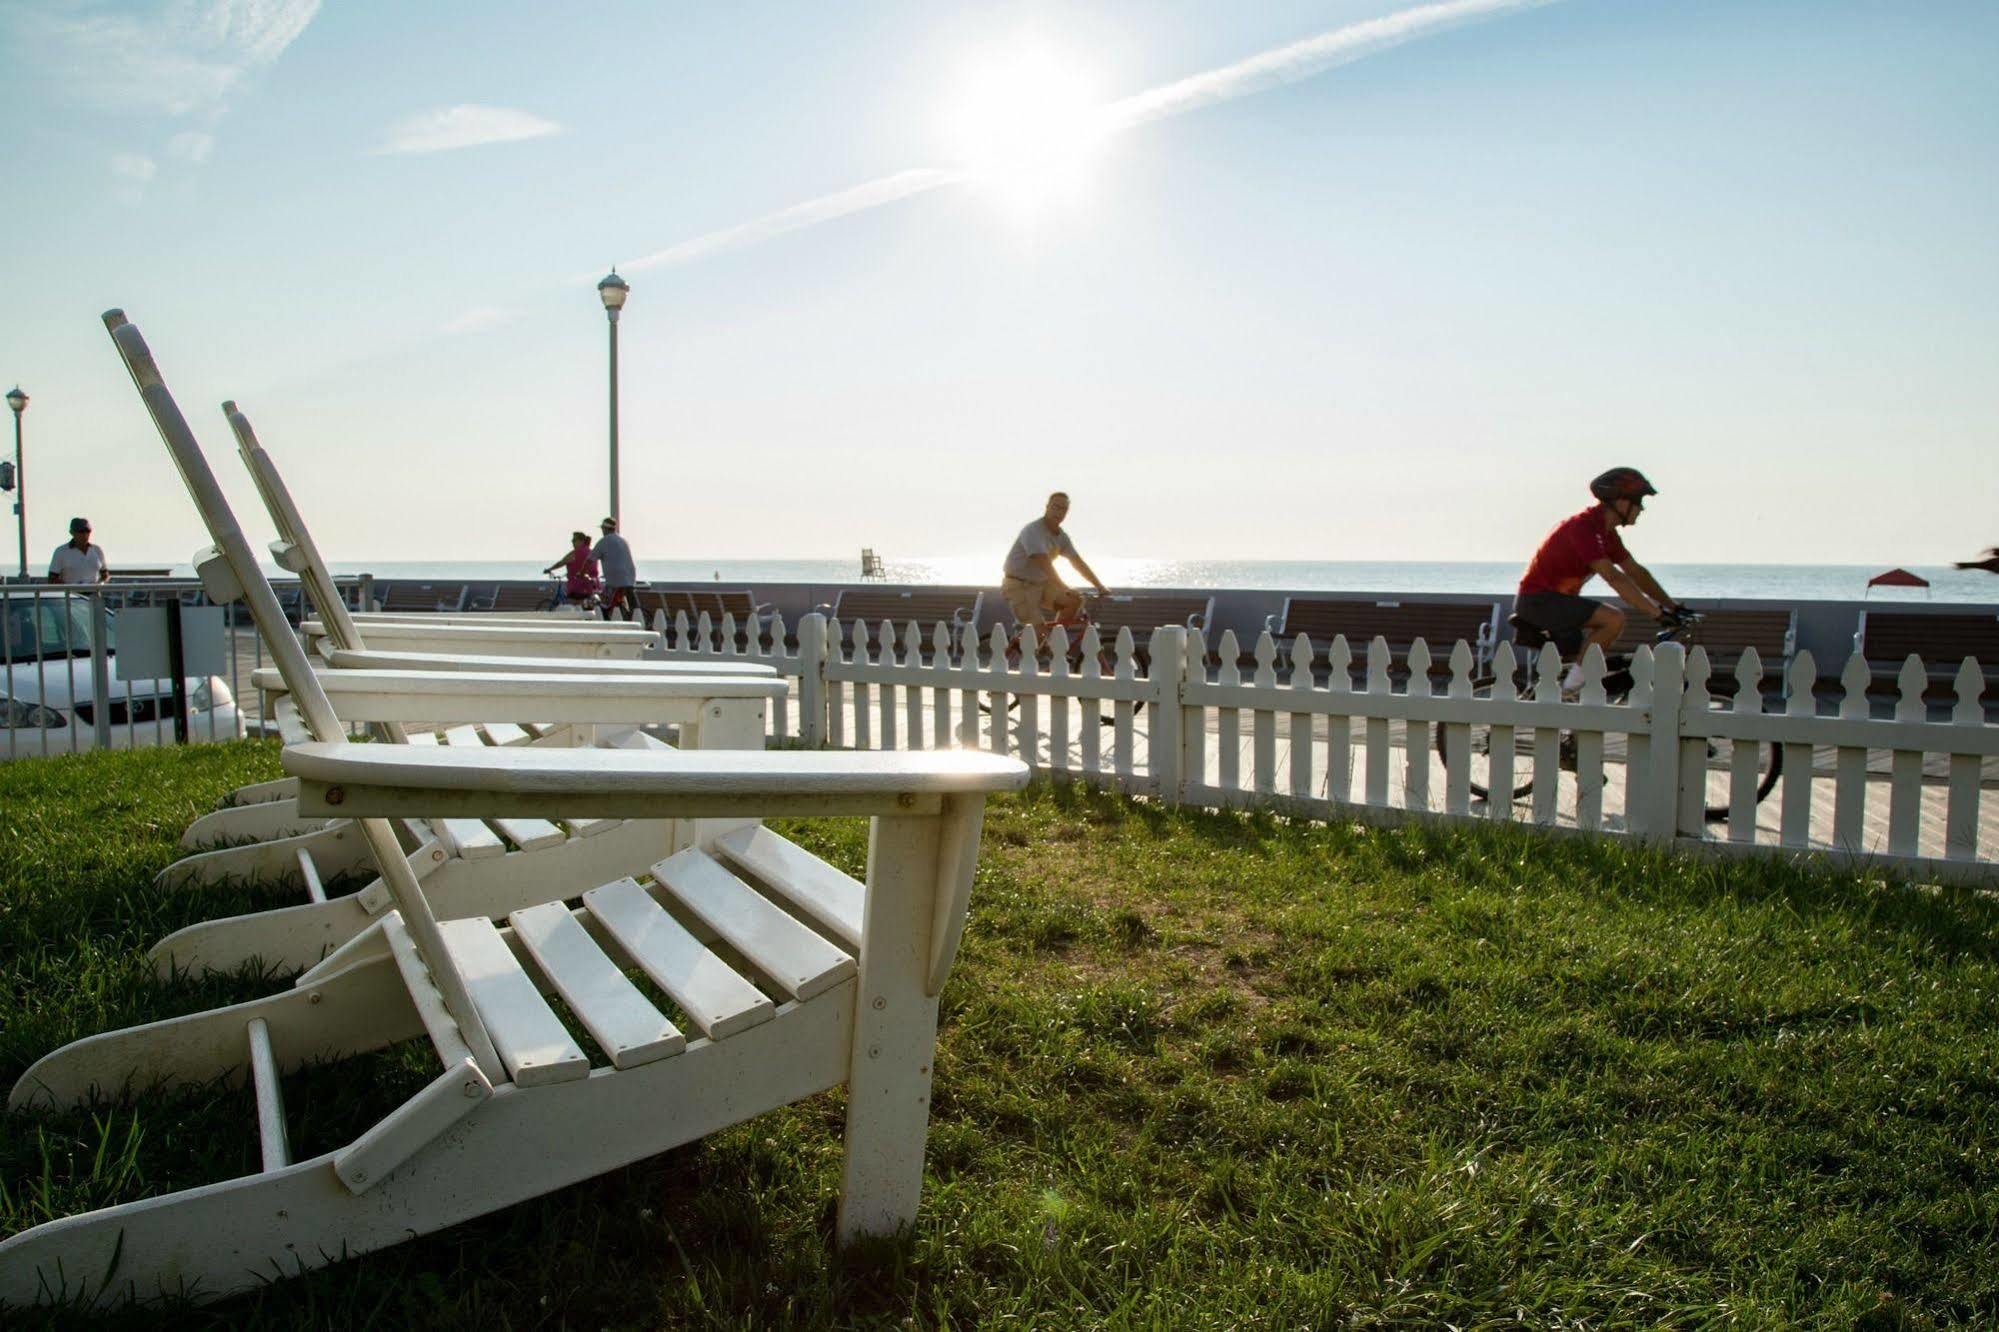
1897	578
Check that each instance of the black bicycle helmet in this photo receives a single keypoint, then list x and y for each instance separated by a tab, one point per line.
1621	483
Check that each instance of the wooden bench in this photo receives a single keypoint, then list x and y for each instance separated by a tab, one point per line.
1726	634
401	596
1142	612
1440	624
513	598
1886	639
926	608
751	616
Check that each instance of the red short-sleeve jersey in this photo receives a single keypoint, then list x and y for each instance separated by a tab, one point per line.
1562	564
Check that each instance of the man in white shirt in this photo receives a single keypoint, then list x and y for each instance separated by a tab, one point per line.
621	572
1034	592
78	561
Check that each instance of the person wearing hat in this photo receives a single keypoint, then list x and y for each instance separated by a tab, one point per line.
77	560
621	574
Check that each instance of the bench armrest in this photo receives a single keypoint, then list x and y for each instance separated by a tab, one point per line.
397	781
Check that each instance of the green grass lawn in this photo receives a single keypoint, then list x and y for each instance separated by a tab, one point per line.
1197	1070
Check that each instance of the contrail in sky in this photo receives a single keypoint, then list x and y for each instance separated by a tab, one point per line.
1258	73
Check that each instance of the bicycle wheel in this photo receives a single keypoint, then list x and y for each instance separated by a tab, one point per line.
1479	751
1769	767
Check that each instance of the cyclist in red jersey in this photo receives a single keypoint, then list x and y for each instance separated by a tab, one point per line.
1585	544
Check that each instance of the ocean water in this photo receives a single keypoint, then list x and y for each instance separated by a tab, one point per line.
1776	582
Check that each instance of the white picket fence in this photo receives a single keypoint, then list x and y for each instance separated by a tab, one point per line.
1181	726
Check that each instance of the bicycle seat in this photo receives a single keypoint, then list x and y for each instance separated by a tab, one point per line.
1526	634
1531	637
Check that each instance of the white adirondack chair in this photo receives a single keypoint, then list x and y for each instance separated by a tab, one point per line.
471	865
820	980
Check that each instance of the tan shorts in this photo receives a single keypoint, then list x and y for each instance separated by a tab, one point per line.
1031	603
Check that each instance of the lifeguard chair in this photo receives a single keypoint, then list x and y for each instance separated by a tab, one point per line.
871	564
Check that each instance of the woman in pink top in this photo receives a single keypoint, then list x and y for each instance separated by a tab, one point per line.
579	577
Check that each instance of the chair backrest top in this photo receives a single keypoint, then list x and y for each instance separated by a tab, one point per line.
1399	620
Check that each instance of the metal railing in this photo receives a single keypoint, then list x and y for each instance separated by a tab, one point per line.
61	687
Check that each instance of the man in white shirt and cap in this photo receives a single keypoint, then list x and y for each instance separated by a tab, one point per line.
77	560
621	572
1034	592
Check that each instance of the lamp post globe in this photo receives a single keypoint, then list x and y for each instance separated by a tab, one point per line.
613	290
19	402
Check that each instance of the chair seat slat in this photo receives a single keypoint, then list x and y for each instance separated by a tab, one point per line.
630	1030
531	1040
802	879
715	999
793	955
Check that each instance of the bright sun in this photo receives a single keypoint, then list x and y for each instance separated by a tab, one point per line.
1025	125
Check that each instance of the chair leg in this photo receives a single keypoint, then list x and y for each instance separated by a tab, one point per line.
895	1033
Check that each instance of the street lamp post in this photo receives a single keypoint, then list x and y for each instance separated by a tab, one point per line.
613	289
19	402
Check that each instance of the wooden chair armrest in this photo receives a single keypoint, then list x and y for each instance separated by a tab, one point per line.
486	627
397	781
446	697
348	659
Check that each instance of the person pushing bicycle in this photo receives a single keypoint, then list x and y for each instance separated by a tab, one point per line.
1585	544
1034	591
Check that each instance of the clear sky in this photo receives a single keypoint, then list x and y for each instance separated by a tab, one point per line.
1402	304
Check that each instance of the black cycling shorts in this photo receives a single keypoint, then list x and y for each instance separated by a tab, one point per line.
1559	615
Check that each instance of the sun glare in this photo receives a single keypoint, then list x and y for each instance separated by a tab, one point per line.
1025	125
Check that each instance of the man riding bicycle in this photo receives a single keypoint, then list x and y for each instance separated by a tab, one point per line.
1581	545
1034	591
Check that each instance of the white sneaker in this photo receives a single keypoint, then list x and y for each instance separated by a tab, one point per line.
1572	679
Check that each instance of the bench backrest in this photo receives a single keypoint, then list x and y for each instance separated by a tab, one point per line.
683	601
926	607
1726	634
424	597
1440	624
511	597
1142	612
1886	638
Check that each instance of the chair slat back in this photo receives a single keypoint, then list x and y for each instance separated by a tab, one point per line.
232	547
316	578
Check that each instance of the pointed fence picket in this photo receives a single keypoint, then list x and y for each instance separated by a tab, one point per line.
763	641
1960	840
